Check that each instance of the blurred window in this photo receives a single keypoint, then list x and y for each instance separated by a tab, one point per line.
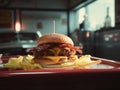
96	13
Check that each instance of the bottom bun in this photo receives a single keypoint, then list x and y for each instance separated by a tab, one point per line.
51	65
48	63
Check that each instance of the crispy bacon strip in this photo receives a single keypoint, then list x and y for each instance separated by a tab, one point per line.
46	46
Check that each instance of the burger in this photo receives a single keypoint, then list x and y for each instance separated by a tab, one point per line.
54	49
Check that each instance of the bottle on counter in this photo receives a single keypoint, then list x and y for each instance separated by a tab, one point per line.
107	23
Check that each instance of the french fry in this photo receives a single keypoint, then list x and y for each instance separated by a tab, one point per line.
67	64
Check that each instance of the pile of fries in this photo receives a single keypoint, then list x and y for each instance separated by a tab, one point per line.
22	62
27	63
82	62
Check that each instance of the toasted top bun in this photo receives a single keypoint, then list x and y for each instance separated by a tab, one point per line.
55	38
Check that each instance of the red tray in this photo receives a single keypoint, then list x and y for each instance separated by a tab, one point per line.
105	66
